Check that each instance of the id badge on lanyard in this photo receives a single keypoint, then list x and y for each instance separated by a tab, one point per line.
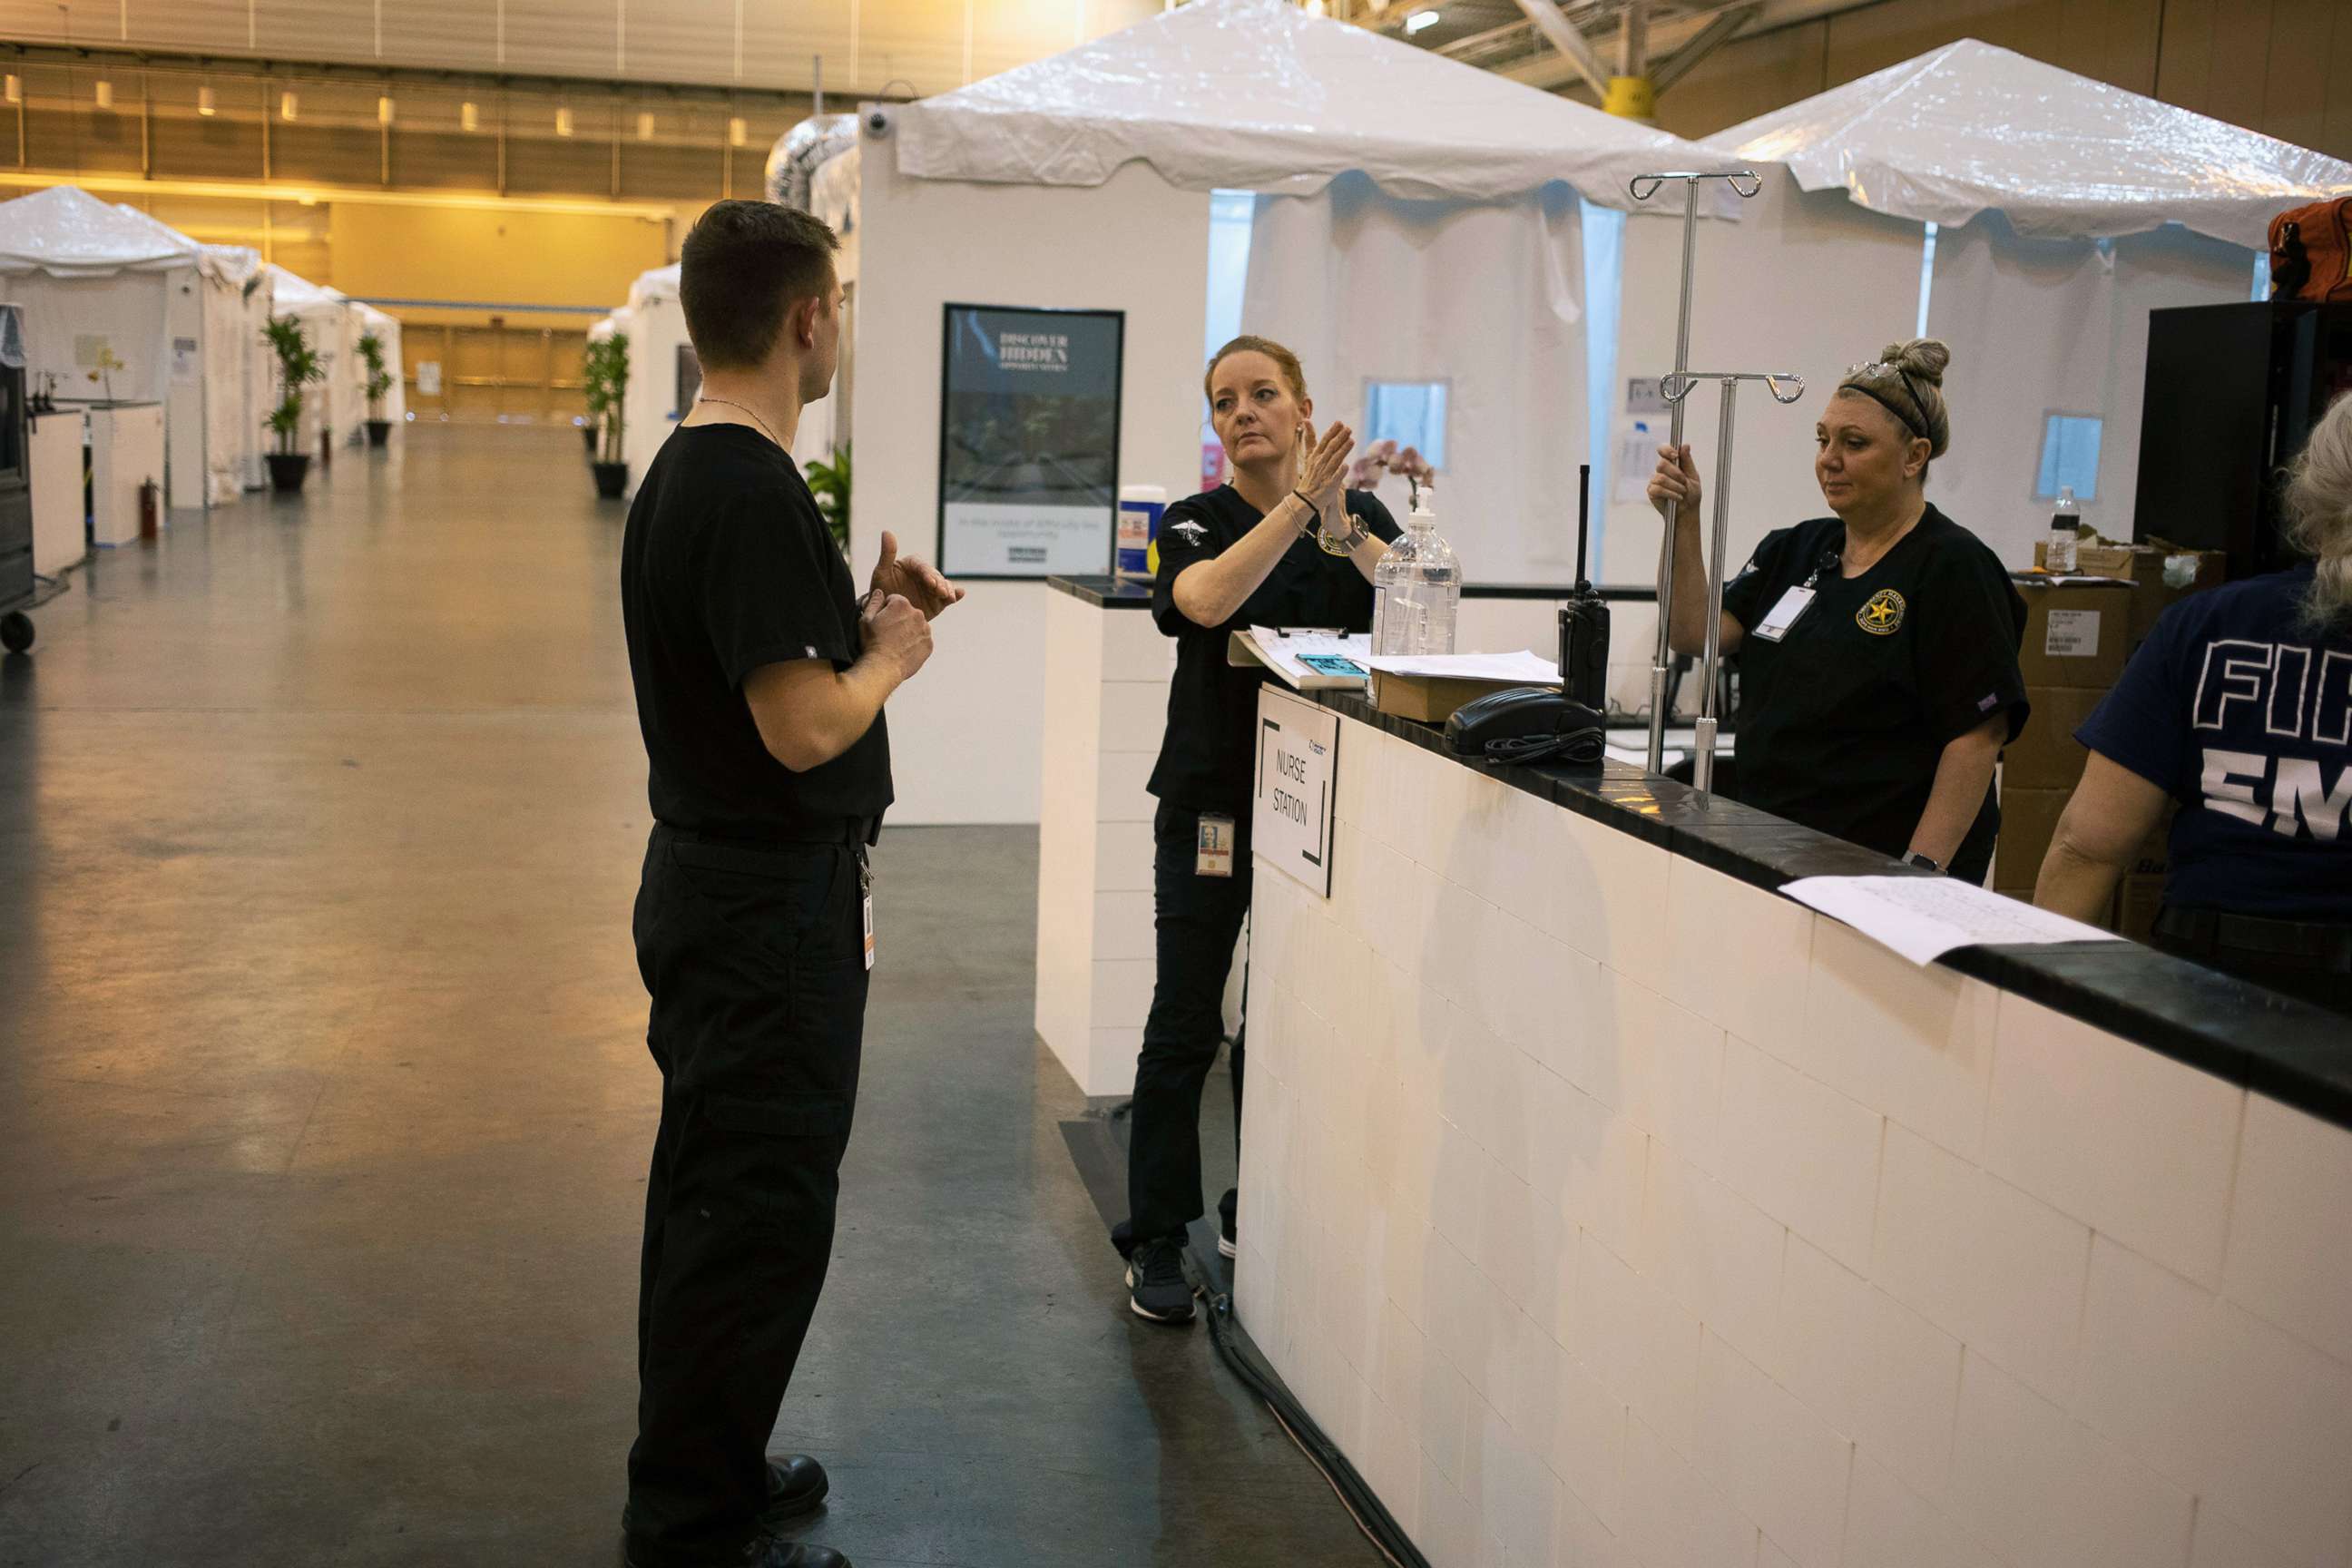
866	896
1793	604
1213	853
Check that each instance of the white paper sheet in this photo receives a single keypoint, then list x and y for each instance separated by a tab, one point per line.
1521	668
1282	652
1923	918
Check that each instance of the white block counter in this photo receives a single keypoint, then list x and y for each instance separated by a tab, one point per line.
1107	674
126	450
1606	1208
59	528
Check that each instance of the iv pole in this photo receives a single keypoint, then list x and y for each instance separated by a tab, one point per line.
1785	387
1641	188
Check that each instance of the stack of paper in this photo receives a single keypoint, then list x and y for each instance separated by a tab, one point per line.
1521	668
1307	661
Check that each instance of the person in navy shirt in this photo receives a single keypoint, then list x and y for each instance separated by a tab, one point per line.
2239	707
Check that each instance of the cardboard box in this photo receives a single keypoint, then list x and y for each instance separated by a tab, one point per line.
2029	819
2076	631
2047	756
2165	576
1430	700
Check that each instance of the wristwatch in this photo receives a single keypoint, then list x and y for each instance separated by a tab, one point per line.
1923	863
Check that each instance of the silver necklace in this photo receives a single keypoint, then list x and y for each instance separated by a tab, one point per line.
726	403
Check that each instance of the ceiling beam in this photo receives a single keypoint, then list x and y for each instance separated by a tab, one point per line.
1561	33
1548	70
1676	66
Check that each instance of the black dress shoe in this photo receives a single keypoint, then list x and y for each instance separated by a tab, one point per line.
771	1552
796	1485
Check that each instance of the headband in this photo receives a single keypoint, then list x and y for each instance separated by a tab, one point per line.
1872	393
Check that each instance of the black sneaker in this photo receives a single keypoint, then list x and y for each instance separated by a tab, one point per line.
1156	1284
1227	1245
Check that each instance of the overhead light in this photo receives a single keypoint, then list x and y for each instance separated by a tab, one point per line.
563	122
737	131
289	106
1419	20
384	109
105	94
12	88
206	104
469	116
644	126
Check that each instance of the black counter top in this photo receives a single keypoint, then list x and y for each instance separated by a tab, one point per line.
1113	593
2291	1051
1104	593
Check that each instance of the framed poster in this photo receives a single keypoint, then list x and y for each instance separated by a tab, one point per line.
1029	441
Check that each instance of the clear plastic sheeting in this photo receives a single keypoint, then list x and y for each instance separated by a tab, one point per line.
65	231
1364	287
833	196
1970	127
1258	95
12	336
799	152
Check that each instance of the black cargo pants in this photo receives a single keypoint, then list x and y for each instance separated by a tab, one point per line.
1196	921
755	961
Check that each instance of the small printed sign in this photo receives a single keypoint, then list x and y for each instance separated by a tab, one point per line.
1297	755
2074	634
428	378
187	360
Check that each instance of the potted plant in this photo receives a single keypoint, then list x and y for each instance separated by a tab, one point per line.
605	370
379	382
297	366
829	483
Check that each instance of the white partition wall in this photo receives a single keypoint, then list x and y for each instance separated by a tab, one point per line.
965	736
1106	673
1607	1210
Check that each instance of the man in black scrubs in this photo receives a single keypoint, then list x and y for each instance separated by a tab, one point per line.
760	677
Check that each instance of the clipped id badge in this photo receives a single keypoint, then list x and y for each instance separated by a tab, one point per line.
1793	604
1214	856
866	893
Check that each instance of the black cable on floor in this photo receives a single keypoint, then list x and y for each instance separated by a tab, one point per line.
1242	1358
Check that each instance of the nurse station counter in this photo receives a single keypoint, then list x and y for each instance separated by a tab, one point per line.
1605	1206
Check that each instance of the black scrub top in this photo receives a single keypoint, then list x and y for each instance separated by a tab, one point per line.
1206	756
1844	721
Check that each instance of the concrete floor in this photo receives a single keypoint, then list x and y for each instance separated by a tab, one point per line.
324	1107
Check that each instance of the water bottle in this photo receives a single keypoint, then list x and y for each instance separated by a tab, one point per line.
1413	613
2065	525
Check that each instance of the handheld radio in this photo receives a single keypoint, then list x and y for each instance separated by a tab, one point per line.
1584	619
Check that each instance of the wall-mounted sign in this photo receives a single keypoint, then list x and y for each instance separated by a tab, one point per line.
187	360
1029	416
428	378
1298	760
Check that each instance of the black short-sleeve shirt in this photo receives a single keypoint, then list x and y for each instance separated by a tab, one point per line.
1205	757
1843	721
726	567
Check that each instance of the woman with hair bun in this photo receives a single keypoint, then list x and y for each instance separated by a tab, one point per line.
1878	646
1283	543
2239	706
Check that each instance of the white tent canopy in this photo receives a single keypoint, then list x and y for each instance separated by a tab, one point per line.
332	323
1257	95
119	305
65	231
238	367
659	360
1970	127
